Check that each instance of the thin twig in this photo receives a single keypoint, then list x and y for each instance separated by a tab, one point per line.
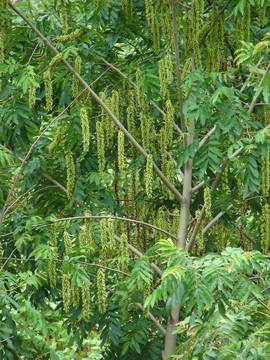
110	217
157	323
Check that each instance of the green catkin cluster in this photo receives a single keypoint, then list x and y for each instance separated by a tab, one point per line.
70	173
169	120
146	293
71	36
121	150
82	239
112	243
100	146
146	125
56	60
1	255
168	169
75	81
2	57
200	240
149	177
115	105
31	87
265	174
149	9
88	229
265	228
63	16
168	68
52	262
75	296
49	90
123	252
261	13
155	35
66	294
214	41
175	222
161	222
85	129
196	16
86	300
60	132
242	26
103	236
218	232
153	25
162	79
67	242
131	119
5	21
101	291
127	8
207	202
166	21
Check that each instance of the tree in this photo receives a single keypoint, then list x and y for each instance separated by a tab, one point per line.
135	159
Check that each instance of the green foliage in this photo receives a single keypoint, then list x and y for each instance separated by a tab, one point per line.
183	106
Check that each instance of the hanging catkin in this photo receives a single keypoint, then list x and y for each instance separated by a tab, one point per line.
121	150
149	177
2	57
66	294
85	300
169	120
166	21
123	250
67	242
103	236
75	81
200	240
52	242
101	291
85	129
127	8
207	203
88	229
100	146
162	78
265	174
70	173
63	16
31	86
112	244
49	90
265	228
75	296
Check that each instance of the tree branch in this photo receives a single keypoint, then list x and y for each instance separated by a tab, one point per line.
215	183
157	323
110	217
216	18
207	136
